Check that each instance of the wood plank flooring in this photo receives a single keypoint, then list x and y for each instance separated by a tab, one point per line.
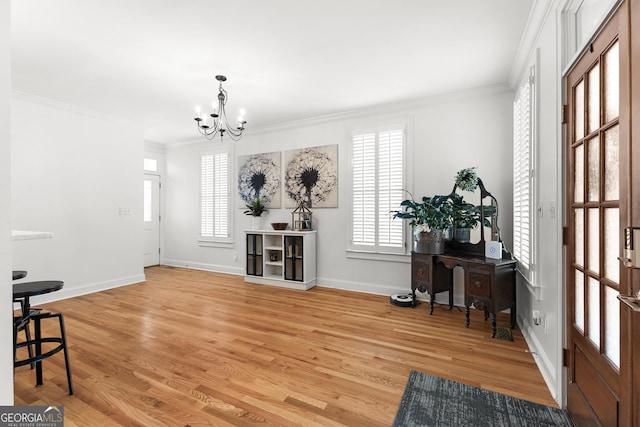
193	348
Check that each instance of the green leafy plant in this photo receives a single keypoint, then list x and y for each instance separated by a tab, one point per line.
255	207
467	179
465	215
432	213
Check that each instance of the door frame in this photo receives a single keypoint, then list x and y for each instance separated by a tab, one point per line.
160	234
626	201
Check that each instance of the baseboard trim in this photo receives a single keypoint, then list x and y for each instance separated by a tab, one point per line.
71	292
215	268
541	358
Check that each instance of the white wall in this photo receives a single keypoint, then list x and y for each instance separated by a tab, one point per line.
6	335
545	294
449	133
551	37
72	173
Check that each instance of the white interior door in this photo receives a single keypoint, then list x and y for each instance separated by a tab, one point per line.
151	220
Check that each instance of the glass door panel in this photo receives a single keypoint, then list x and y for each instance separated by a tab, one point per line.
293	266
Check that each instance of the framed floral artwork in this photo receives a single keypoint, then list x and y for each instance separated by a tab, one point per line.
311	176
259	176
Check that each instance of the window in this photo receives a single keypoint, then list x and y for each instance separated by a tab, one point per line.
377	159
150	165
214	196
523	175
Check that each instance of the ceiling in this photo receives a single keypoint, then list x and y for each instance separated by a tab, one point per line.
152	61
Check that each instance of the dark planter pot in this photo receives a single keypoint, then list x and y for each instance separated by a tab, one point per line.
431	242
462	235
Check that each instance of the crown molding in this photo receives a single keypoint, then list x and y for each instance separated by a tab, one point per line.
405	106
539	14
47	102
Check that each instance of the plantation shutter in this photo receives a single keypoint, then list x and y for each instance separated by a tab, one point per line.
377	185
523	176
214	195
364	189
206	195
390	185
221	194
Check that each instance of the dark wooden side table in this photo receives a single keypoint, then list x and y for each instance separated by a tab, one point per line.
489	284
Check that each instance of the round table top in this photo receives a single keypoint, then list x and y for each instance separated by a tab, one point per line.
30	289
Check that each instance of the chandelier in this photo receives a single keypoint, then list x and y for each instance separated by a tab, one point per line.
218	124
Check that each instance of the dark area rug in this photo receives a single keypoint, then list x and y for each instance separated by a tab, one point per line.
434	401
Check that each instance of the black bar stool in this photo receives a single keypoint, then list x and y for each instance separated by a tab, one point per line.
17	275
23	291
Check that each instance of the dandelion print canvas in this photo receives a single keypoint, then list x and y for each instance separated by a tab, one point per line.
259	176
311	176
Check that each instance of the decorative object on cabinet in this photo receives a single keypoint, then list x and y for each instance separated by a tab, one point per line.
219	123
311	176
255	208
259	176
290	260
301	218
431	219
279	225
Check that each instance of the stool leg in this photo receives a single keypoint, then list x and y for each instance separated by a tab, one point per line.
27	334
63	336
38	345
15	341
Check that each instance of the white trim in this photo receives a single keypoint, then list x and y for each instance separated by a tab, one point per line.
73	109
216	268
550	376
72	292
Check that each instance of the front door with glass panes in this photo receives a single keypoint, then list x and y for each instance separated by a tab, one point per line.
594	208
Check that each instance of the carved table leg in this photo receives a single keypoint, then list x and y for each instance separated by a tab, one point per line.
466	313
494	329
414	301
432	299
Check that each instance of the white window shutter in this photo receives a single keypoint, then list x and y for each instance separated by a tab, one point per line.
377	186
215	209
523	195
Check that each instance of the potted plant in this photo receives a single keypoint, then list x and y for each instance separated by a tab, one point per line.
467	179
465	217
255	208
431	220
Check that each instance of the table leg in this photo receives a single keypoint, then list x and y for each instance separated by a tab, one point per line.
466	313
494	328
432	299
38	345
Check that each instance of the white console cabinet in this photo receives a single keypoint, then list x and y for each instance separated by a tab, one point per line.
281	258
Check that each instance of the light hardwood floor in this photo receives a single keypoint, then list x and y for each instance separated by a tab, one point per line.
193	348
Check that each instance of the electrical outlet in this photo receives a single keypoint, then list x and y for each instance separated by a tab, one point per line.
536	317
235	256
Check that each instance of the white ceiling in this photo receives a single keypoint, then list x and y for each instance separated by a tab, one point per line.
153	61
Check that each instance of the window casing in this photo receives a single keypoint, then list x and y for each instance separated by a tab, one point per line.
377	183
524	119
215	200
